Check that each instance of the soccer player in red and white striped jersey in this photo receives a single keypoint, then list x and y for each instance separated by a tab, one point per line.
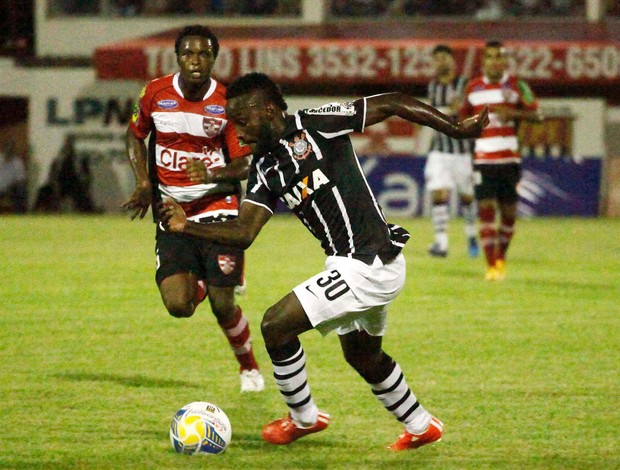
195	158
497	161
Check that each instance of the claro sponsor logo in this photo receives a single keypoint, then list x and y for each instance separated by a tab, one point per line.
176	160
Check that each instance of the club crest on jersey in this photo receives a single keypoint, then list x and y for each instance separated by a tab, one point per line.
301	147
211	126
509	95
226	263
305	188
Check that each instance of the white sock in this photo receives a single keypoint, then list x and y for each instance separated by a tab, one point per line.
440	215
470	214
399	400
291	379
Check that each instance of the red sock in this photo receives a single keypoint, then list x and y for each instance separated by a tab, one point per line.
506	231
201	292
237	330
488	233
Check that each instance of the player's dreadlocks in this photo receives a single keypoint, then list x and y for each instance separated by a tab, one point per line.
197	30
257	81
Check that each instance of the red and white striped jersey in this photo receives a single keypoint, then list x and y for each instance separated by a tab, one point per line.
186	130
498	143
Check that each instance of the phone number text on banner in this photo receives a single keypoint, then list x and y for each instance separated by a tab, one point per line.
381	61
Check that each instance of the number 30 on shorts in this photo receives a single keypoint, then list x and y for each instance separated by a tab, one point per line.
332	285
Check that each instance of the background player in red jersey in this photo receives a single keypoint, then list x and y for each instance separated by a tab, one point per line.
307	161
184	113
497	161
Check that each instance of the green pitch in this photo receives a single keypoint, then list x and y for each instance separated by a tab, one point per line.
524	373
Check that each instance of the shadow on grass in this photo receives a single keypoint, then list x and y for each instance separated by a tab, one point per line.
128	381
249	440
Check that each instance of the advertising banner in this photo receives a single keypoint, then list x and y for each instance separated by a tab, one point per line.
549	186
362	61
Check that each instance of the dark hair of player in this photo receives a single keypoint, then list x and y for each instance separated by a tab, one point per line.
256	81
494	44
442	48
197	30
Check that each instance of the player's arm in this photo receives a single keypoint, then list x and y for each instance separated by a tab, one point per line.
240	232
381	107
526	110
236	170
141	198
506	113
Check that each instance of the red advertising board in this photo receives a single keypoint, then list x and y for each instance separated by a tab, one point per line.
307	61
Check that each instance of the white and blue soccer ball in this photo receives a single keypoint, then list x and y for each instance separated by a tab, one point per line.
200	428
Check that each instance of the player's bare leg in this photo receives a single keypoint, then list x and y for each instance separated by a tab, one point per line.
364	353
236	328
179	294
281	326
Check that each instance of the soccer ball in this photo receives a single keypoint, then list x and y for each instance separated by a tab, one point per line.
200	428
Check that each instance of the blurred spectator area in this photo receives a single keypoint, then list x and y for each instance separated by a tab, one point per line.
479	9
174	7
16	27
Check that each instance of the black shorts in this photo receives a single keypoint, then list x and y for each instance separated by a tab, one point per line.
217	265
497	182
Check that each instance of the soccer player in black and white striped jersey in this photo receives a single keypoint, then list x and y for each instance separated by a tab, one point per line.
449	164
307	161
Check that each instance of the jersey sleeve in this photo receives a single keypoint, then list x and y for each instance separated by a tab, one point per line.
258	192
334	119
527	100
235	149
141	122
466	109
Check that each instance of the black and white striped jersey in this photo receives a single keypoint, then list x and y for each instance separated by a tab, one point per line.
315	172
441	96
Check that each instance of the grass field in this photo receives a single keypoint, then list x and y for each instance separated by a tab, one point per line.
524	373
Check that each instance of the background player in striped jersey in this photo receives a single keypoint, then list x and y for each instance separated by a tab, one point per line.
307	161
449	165
184	113
497	161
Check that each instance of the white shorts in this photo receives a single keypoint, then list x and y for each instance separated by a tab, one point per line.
449	171
350	295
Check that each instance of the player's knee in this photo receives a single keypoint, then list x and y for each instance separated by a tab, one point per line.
271	329
178	308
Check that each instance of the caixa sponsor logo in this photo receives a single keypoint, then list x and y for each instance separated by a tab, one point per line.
167	104
177	161
214	109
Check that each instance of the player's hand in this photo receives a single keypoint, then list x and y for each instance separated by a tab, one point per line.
172	215
139	201
473	126
504	113
197	171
